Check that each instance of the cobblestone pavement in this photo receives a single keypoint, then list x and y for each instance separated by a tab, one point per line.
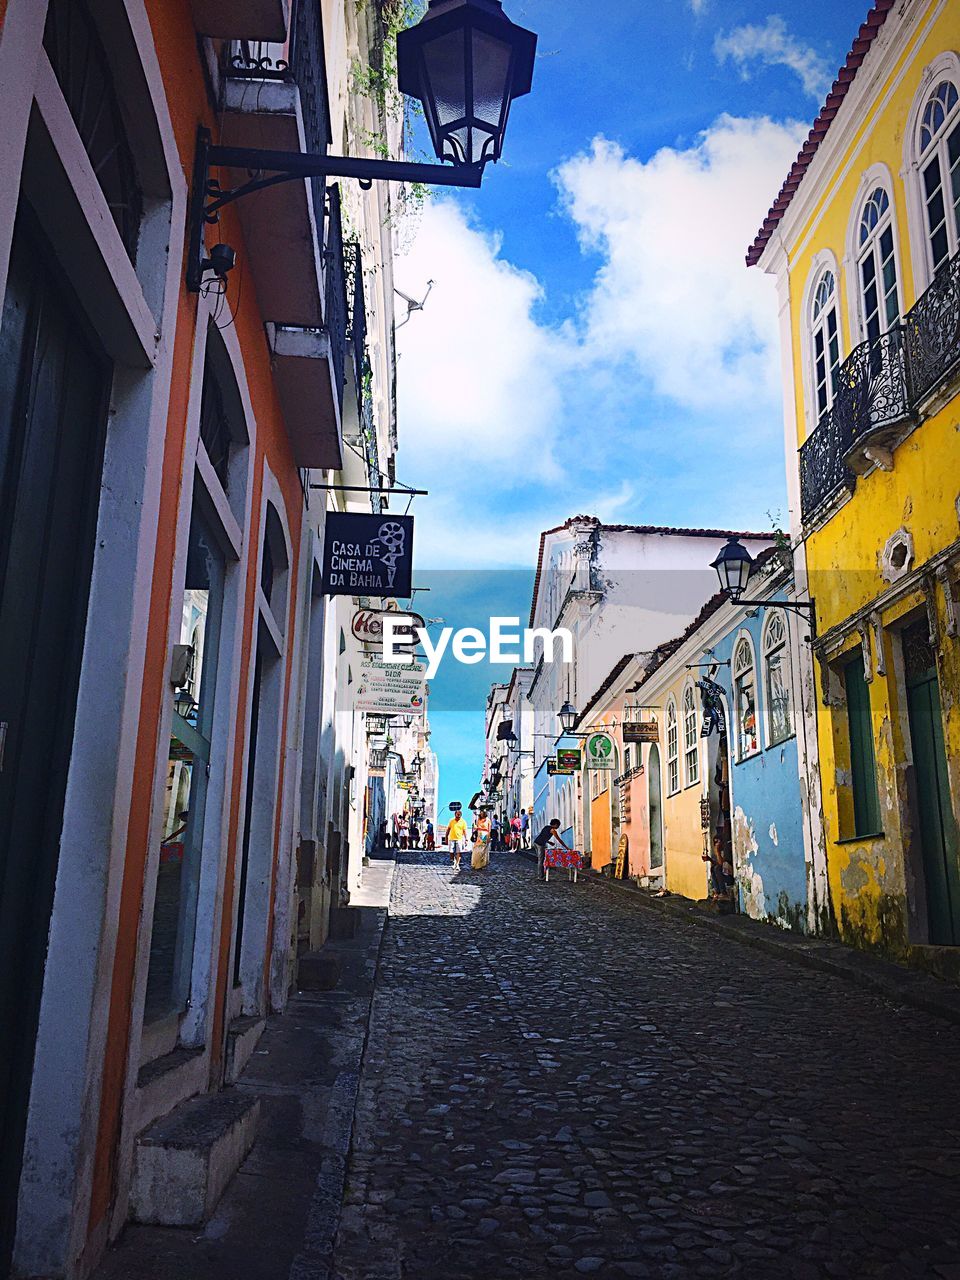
558	1083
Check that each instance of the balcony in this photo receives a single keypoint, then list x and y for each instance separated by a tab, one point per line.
308	362
275	97
882	390
241	19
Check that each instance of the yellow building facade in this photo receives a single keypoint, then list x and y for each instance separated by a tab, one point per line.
864	240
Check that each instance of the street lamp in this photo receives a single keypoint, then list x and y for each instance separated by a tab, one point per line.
733	565
466	62
568	716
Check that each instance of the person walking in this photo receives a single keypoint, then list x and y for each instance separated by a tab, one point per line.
414	833
525	824
480	858
515	832
428	840
457	838
550	835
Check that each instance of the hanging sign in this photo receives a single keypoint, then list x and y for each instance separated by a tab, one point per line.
367	555
569	757
600	751
555	768
641	731
389	688
367	626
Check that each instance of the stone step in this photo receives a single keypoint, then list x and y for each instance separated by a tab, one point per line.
243	1035
317	971
184	1161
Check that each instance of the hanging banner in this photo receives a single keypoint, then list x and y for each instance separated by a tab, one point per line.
388	688
367	555
600	753
569	758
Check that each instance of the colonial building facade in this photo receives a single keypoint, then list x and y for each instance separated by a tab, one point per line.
183	770
864	241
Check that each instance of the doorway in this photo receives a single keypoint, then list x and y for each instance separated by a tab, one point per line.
54	391
935	823
655	794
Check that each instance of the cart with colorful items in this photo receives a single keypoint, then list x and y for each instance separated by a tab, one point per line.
570	859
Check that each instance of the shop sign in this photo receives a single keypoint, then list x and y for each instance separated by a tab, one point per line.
600	754
554	768
386	688
367	555
376	726
641	731
569	757
367	626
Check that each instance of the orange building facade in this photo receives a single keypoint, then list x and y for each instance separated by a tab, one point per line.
180	784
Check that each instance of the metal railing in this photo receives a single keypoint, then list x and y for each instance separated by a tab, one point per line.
881	385
358	319
335	287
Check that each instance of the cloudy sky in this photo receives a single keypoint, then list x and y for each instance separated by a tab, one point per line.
593	341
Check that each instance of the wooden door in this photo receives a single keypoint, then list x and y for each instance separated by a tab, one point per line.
935	821
656	809
54	384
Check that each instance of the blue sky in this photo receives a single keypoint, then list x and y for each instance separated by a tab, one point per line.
593	341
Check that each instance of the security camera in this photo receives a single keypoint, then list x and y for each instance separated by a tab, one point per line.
221	261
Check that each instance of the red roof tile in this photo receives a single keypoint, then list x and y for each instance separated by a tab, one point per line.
845	78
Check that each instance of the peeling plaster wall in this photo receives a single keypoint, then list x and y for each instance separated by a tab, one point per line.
769	858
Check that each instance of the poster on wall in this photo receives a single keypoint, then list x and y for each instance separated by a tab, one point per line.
391	689
367	555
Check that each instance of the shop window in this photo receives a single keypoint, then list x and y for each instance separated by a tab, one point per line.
940	171
745	698
673	749
178	874
877	267
776	664
825	341
863	768
79	61
691	737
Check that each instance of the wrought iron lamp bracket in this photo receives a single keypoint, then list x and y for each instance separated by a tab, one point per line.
208	198
803	608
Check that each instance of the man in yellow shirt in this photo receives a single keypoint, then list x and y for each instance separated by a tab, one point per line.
457	838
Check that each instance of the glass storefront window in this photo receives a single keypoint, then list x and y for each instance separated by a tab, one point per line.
188	762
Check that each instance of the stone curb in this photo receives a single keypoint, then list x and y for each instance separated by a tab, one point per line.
316	1261
882	977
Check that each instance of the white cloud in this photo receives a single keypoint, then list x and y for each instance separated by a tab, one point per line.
772	45
698	6
478	376
673	293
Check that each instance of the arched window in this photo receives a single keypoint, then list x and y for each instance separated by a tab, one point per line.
877	267
745	698
673	749
776	677
825	341
691	739
940	171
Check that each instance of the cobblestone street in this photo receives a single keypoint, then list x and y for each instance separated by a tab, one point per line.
558	1082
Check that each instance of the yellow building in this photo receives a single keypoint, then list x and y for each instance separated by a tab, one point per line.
864	240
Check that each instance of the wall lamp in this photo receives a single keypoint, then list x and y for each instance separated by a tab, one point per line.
734	564
465	61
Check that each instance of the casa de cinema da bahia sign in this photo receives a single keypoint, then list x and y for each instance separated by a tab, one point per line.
369	555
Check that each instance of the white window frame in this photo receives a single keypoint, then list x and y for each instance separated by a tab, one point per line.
691	748
777	618
870	248
817	323
672	722
944	67
736	675
936	150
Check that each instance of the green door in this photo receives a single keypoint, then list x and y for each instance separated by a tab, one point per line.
936	826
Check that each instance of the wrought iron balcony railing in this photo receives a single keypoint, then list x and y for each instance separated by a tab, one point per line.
358	321
335	288
881	386
932	331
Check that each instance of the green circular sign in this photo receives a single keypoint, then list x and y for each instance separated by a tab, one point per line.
600	747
